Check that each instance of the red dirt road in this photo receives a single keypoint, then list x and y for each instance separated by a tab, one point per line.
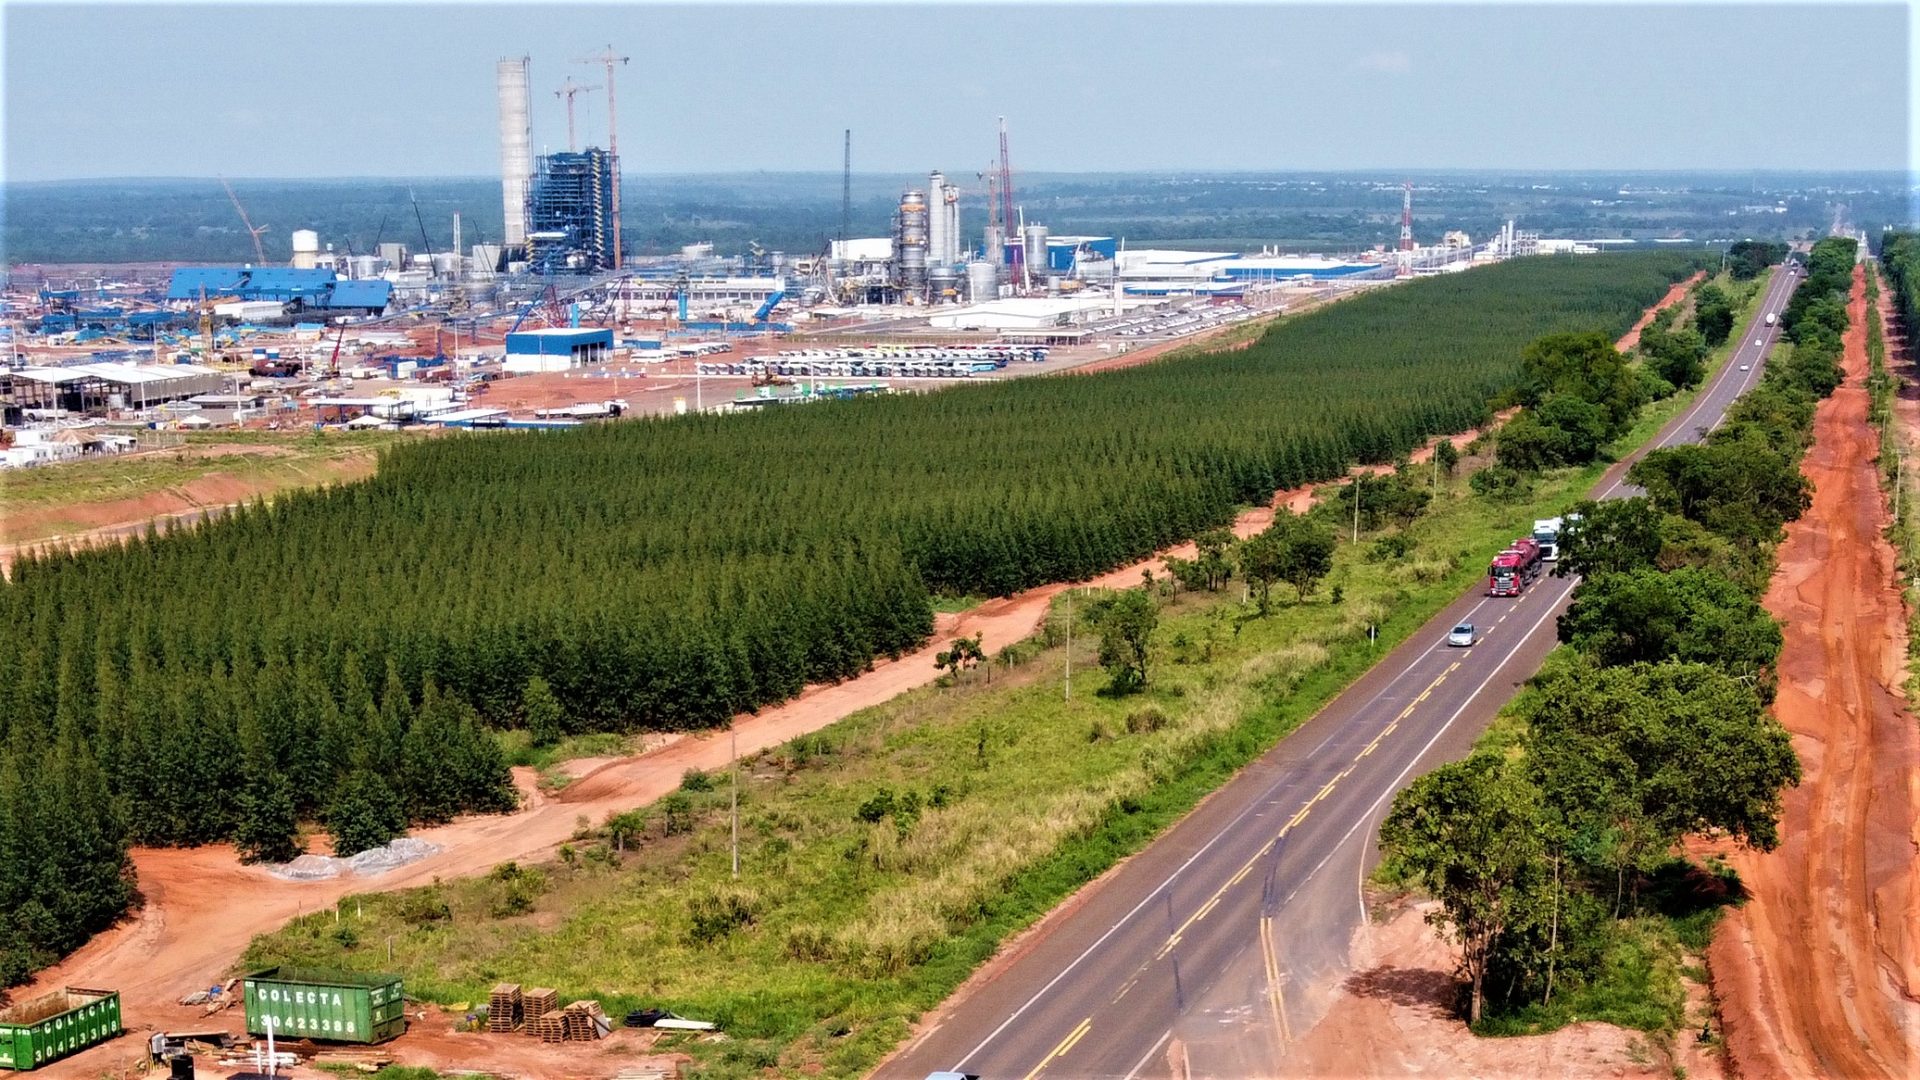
1674	296
1818	975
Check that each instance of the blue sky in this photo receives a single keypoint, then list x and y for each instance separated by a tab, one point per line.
352	89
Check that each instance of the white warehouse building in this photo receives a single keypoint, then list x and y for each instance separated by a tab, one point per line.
1023	313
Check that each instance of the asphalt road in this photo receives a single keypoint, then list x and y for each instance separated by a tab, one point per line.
1205	953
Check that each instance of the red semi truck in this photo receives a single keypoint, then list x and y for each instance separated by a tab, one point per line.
1515	568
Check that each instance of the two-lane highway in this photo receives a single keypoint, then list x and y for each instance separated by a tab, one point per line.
1206	952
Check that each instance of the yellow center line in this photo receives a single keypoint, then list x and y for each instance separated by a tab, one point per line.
1065	1045
1074	1039
1209	906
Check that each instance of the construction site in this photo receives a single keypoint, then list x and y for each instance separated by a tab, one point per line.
555	322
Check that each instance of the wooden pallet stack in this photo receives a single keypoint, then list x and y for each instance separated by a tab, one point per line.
504	1009
538	1002
585	1021
552	1026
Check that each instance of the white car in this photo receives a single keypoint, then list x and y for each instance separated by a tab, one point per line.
1746	367
1463	636
1758	344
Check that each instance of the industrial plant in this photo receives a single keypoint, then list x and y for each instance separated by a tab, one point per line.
395	335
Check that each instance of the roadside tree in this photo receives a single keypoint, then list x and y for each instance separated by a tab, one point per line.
1470	834
1126	620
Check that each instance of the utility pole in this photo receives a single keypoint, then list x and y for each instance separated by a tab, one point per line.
1069	643
733	736
1356	506
613	141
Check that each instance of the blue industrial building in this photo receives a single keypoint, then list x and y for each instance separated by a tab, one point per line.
557	349
321	289
1065	251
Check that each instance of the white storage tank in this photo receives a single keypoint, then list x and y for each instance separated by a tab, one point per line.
306	249
983	281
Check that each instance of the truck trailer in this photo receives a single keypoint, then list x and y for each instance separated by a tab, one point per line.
1514	569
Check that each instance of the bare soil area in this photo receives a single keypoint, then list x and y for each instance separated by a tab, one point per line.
1818	974
1394	1016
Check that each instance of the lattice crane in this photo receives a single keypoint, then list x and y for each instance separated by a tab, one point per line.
568	89
259	251
613	140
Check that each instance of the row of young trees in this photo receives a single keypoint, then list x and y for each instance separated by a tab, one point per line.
1652	724
337	655
1900	260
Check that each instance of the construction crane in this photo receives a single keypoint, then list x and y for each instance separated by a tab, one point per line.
1006	179
567	90
613	140
259	252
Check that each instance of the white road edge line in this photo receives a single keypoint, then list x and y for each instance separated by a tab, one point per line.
1707	395
1144	1058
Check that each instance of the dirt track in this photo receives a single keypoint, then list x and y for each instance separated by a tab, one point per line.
1674	296
1818	974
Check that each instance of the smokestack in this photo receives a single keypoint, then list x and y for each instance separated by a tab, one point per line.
516	146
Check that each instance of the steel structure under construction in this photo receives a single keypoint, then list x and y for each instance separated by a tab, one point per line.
569	212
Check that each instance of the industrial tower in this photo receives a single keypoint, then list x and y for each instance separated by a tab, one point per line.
1406	218
516	147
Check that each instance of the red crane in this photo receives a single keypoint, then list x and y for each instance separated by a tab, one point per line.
1007	218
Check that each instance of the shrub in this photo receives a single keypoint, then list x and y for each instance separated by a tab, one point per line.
1146	719
715	912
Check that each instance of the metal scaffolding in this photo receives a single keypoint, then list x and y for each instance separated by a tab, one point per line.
570	212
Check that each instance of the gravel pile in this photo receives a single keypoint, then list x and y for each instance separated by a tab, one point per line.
369	863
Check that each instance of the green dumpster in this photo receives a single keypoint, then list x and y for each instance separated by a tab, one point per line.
54	1025
319	1003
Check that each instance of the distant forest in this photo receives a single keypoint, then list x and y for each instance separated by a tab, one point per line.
186	220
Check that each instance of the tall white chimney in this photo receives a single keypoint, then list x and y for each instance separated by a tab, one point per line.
516	146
